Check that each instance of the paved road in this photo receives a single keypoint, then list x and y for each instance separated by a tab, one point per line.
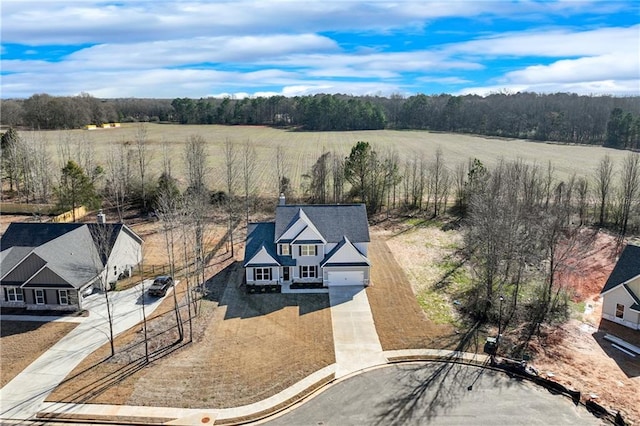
443	394
22	397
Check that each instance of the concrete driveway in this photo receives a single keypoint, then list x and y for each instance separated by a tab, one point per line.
22	397
355	338
438	393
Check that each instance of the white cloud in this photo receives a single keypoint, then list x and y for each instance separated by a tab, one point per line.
246	48
94	21
597	68
554	43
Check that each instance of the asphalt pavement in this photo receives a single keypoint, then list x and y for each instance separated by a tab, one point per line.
437	393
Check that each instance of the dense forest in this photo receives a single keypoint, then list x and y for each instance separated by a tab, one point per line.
595	120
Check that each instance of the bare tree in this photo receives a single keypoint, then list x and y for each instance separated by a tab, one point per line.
43	180
10	146
629	189
603	181
315	183
142	307
548	184
392	177
231	174
195	208
169	204
280	168
104	235
582	188
249	158
118	177
436	177
460	188
337	177
144	156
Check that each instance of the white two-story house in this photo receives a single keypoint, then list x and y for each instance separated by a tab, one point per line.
308	247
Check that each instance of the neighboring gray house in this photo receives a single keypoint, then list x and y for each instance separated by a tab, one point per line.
51	265
621	293
309	247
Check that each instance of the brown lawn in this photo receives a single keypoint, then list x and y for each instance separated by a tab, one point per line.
22	342
399	320
246	348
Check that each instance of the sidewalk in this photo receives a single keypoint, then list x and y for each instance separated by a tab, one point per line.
22	397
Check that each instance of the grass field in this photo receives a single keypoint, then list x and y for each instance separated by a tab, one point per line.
303	148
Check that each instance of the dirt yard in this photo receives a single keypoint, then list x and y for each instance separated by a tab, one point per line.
577	353
22	342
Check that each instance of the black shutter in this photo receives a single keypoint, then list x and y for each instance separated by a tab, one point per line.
58	296
299	250
44	292
6	295
270	274
315	250
253	270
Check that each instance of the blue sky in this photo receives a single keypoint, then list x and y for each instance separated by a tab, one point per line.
277	47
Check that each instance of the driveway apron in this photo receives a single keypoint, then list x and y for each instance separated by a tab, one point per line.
22	397
356	341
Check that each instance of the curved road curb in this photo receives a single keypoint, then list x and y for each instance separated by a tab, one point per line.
279	403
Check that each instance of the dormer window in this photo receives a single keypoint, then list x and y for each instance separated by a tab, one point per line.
308	250
284	250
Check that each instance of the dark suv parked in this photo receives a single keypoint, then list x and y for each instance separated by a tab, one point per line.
160	285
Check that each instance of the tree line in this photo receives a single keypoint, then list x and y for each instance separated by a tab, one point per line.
561	117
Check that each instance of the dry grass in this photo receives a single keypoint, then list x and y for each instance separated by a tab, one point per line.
303	148
399	320
24	341
246	348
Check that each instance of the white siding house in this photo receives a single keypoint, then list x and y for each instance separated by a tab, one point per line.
621	293
49	266
308	248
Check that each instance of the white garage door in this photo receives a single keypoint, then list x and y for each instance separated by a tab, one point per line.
345	278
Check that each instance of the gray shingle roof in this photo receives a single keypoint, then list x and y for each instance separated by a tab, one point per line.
74	252
261	234
332	221
627	267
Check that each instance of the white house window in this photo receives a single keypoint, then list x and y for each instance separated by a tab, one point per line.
39	297
308	271
63	296
284	250
619	310
262	274
307	250
14	295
